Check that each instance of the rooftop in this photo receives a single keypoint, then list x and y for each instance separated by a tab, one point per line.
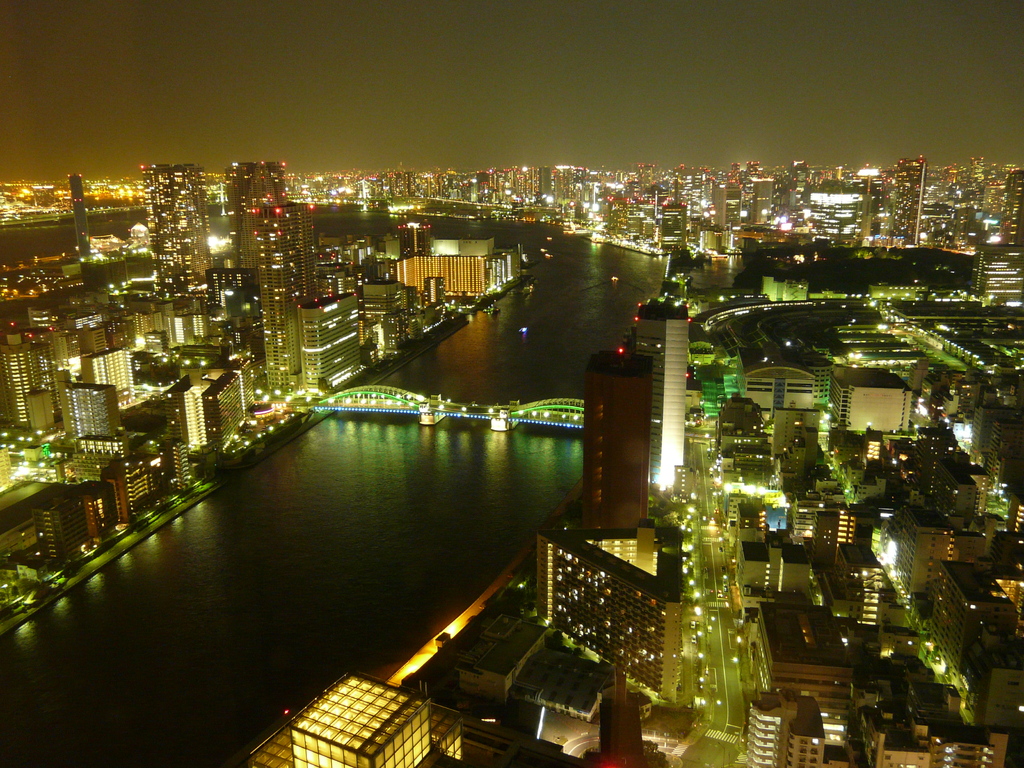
875	378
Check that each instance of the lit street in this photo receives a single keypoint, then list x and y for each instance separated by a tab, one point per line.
719	740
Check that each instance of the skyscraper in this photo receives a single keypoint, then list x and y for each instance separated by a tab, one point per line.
1012	230
250	187
414	239
179	225
728	202
285	269
662	333
616	439
672	235
764	190
81	218
906	198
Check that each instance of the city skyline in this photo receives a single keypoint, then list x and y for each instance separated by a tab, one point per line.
426	85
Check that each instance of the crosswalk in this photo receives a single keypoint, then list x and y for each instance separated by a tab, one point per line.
716	604
728	738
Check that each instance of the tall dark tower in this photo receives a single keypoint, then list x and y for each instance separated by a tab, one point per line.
414	239
81	218
618	392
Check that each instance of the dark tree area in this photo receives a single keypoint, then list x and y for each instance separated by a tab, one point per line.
851	269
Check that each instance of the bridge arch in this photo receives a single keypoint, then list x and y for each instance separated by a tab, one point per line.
562	411
375	395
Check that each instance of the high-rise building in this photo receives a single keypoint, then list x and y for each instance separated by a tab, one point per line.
90	409
618	391
383	316
25	366
999	273
906	199
662	333
81	217
1012	229
285	269
250	187
672	234
185	412
110	366
179	225
330	341
61	526
414	239
761	202
728	202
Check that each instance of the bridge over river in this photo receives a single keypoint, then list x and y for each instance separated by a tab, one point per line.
431	409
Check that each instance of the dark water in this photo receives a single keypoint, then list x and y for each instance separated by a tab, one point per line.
344	551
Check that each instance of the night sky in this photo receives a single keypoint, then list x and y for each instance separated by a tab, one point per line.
102	86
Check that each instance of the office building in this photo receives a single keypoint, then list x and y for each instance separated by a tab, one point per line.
784	730
26	366
728	202
672	233
285	269
111	366
869	398
179	225
360	721
835	213
906	200
330	341
81	217
762	201
250	187
1012	228
89	409
618	392
617	592
662	333
999	274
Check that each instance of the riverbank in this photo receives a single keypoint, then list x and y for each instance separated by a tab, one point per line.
126	541
502	580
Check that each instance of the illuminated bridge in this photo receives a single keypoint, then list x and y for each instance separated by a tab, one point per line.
430	410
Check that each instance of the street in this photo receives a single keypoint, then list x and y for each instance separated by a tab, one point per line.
721	736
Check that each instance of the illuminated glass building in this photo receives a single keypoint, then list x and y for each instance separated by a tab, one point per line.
617	592
250	187
179	225
360	722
